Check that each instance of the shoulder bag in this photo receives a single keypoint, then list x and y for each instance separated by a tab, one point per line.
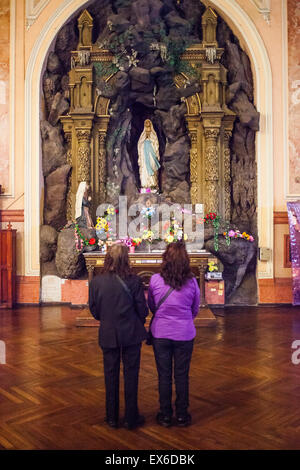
149	339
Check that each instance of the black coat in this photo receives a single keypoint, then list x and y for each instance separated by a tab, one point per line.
121	318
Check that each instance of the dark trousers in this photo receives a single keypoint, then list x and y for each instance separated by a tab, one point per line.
166	353
131	356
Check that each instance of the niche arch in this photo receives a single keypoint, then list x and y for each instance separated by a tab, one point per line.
246	31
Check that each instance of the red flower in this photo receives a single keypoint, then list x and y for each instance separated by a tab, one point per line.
92	241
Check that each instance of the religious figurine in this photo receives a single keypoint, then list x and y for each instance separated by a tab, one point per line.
148	151
83	202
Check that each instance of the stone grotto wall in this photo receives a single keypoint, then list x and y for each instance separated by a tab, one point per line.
148	90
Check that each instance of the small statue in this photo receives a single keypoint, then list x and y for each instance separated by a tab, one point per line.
148	151
82	206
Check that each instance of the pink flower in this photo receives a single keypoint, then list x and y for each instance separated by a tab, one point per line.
231	233
251	239
185	211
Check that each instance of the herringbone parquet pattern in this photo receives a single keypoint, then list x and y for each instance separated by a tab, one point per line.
244	390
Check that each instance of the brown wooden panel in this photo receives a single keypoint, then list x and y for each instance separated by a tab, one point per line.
7	268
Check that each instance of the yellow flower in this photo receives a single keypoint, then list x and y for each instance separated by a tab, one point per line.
185	237
170	238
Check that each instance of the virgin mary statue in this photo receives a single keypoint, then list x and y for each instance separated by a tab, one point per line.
148	151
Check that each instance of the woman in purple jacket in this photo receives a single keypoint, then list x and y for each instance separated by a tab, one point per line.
173	330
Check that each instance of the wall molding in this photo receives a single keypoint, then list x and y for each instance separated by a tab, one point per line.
33	10
12	215
281	217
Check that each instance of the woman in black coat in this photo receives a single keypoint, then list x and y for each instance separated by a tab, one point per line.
117	299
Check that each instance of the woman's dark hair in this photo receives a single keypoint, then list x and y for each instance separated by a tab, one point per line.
117	261
175	268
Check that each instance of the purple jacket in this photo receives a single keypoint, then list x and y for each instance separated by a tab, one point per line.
174	319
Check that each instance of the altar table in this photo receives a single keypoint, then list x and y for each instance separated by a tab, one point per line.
146	264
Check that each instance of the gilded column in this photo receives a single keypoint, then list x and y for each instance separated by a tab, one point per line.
194	167
211	170
102	166
227	176
83	155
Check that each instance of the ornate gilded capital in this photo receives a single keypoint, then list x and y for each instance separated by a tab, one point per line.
83	135
212	133
227	135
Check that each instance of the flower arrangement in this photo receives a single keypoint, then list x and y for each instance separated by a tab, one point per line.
238	234
127	241
131	243
215	219
148	190
148	212
136	241
174	232
81	241
212	266
211	216
148	236
103	225
145	190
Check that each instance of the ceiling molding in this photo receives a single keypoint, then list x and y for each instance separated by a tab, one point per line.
33	10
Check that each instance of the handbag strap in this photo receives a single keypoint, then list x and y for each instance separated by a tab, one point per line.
125	287
161	301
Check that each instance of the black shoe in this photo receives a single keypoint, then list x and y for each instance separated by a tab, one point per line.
184	421
112	423
139	422
163	420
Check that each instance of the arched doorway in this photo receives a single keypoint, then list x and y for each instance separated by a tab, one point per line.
243	27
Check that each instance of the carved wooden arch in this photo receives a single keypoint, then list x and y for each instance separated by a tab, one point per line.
102	102
193	102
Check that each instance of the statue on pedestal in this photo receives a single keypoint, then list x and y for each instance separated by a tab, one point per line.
83	202
148	151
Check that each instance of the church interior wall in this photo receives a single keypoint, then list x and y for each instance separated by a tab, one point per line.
273	36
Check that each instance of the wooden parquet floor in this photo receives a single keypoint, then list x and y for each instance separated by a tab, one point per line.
244	389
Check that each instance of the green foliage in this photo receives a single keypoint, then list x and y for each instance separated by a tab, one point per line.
175	50
187	69
104	69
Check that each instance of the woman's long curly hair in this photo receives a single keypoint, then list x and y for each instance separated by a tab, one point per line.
117	261
175	268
